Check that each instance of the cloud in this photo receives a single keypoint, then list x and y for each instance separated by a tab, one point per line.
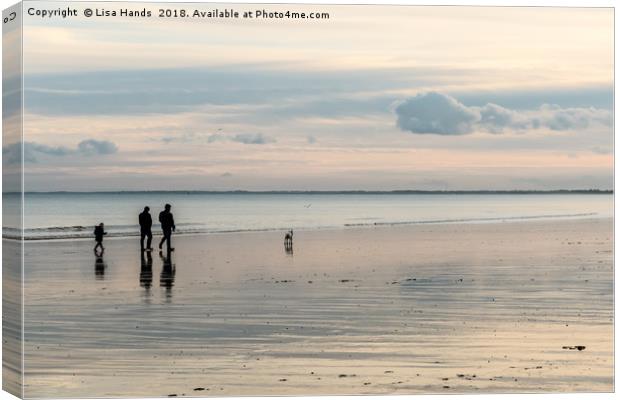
601	150
189	137
435	113
216	137
495	118
245	138
140	91
96	147
31	148
11	154
441	114
560	119
252	138
182	139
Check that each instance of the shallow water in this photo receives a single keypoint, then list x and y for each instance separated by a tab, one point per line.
58	215
426	309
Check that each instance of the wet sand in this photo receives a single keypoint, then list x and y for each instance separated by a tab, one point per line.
453	308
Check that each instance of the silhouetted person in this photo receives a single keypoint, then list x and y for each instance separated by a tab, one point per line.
145	229
167	226
146	271
99	232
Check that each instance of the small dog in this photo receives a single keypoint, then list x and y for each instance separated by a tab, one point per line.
288	239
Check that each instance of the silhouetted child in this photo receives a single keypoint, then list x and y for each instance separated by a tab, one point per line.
99	232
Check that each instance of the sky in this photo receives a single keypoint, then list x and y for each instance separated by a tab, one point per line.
374	98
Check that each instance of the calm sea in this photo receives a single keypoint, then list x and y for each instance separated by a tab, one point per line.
71	215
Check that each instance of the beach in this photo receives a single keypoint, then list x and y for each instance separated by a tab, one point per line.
497	307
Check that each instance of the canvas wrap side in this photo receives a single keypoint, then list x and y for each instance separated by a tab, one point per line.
12	201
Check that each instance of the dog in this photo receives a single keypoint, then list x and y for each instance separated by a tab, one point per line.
288	239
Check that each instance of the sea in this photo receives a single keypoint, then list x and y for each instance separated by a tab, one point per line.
64	215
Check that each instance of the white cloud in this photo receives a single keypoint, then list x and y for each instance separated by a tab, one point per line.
441	114
435	113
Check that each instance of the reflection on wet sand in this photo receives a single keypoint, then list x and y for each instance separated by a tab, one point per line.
100	265
146	275
166	279
146	271
288	248
438	308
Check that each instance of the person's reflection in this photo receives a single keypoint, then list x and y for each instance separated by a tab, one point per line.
146	271
166	279
100	265
288	248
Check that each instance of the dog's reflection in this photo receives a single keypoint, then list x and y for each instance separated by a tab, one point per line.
288	242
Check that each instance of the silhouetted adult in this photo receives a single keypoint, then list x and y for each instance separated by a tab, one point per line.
167	226
99	232
145	229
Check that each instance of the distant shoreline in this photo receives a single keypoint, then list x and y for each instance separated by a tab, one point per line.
339	192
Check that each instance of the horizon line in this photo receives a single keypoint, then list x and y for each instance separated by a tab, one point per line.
355	191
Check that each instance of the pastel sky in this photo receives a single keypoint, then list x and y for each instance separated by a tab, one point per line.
375	98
